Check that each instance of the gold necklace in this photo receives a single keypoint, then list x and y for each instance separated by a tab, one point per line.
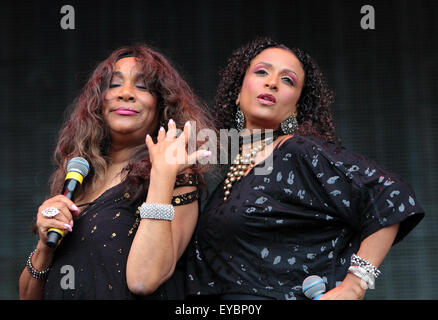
240	165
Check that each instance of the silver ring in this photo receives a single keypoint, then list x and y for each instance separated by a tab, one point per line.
50	212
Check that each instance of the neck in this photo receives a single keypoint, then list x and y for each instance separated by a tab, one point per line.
250	130
254	135
119	155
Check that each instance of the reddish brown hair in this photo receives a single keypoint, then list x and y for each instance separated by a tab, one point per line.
85	133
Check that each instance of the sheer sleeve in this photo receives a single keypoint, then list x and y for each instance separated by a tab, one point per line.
186	180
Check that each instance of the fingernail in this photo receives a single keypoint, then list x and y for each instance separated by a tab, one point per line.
148	136
161	129
207	154
71	223
187	123
68	227
171	121
74	207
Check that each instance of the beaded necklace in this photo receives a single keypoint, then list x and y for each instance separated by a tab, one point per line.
243	161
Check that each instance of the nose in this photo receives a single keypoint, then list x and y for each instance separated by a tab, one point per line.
271	83
126	94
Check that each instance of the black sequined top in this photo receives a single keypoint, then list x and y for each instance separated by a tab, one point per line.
305	215
90	262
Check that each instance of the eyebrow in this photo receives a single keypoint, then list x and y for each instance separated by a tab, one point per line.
270	65
119	74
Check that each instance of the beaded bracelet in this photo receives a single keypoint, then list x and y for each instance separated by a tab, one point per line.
368	267
34	272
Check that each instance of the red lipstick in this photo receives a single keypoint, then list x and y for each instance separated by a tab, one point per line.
266	99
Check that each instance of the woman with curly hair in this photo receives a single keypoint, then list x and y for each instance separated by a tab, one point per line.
315	209
134	216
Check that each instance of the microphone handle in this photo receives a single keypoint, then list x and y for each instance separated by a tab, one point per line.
70	186
54	234
53	237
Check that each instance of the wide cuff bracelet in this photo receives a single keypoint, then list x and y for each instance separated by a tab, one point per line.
157	211
365	276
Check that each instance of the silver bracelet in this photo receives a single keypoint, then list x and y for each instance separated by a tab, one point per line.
360	262
364	275
157	211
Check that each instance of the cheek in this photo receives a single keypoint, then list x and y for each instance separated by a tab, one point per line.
248	86
105	106
107	99
247	91
293	97
148	101
150	108
109	95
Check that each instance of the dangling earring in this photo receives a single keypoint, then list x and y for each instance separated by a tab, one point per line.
239	119
289	125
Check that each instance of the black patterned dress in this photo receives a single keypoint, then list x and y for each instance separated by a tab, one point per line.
303	214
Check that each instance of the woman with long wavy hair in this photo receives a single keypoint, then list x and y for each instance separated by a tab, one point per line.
294	203
135	213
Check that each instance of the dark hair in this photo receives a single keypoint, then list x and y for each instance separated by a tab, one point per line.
314	114
85	133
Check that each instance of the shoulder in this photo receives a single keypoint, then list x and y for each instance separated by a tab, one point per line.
308	144
317	155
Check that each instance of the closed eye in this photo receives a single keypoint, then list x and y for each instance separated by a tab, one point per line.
140	83
139	86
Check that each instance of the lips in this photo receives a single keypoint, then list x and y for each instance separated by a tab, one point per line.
266	99
125	111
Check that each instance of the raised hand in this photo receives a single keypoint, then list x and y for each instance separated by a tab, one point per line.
169	154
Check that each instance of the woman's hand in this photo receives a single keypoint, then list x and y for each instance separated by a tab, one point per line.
352	288
63	220
169	154
29	287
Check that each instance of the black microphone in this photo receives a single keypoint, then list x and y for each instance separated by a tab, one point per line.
313	287
77	170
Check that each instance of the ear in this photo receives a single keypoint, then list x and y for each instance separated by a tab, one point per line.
295	114
238	99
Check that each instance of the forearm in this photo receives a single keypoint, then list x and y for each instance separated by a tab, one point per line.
161	187
151	257
152	254
158	243
29	287
374	248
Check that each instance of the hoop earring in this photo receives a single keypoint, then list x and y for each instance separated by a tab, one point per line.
239	119
289	125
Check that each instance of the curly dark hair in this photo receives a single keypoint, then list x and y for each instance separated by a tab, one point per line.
314	115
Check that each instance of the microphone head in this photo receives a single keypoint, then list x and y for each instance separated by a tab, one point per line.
313	287
79	165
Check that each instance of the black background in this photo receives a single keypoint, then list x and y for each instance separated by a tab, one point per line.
385	82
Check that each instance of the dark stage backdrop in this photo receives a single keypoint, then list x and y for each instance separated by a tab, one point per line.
385	82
